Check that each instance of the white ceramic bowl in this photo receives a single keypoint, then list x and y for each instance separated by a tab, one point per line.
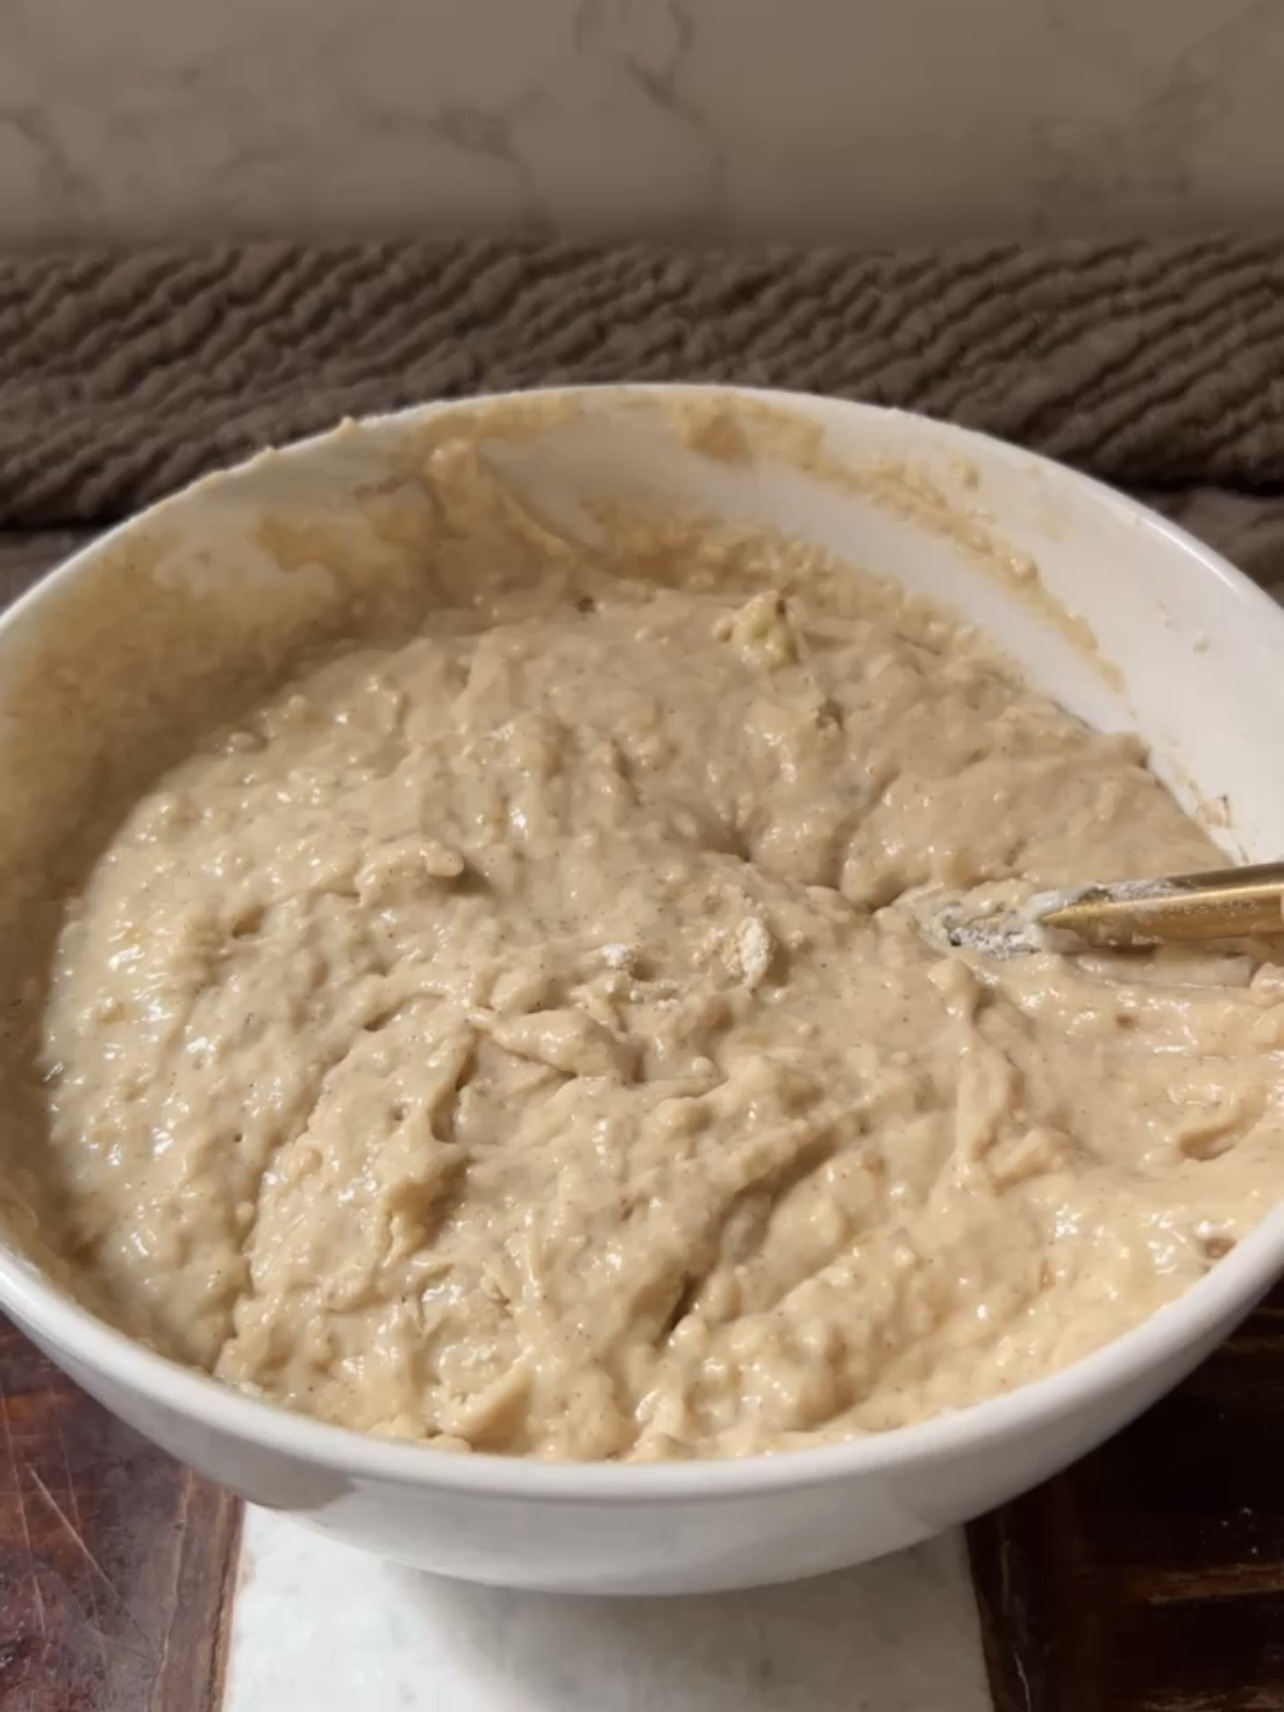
1201	657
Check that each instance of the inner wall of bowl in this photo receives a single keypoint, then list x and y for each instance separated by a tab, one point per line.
1178	652
199	582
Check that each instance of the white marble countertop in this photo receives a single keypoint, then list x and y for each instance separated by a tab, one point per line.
822	118
318	1625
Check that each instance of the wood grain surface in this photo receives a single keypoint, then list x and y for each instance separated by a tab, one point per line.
116	1565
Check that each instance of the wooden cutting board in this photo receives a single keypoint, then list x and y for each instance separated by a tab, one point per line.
116	1565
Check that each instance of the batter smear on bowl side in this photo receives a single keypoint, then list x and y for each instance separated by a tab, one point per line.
522	1034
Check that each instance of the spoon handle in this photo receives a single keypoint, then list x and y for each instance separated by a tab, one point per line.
1231	903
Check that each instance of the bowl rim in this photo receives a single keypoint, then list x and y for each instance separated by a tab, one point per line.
1228	1289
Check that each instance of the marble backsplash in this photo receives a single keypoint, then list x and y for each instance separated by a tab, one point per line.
876	120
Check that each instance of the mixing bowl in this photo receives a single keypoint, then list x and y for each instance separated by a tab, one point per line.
1126	620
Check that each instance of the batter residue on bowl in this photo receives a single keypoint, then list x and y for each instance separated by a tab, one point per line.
522	1036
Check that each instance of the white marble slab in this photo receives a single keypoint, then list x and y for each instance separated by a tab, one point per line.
319	1626
912	119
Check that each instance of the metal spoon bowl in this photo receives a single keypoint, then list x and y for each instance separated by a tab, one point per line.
1230	903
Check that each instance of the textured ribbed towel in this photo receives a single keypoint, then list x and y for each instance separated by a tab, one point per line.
121	377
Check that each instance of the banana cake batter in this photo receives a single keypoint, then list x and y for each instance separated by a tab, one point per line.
527	1035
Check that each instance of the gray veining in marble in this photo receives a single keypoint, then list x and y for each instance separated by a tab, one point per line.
921	119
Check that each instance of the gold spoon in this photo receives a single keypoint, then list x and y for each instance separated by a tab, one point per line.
1229	903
